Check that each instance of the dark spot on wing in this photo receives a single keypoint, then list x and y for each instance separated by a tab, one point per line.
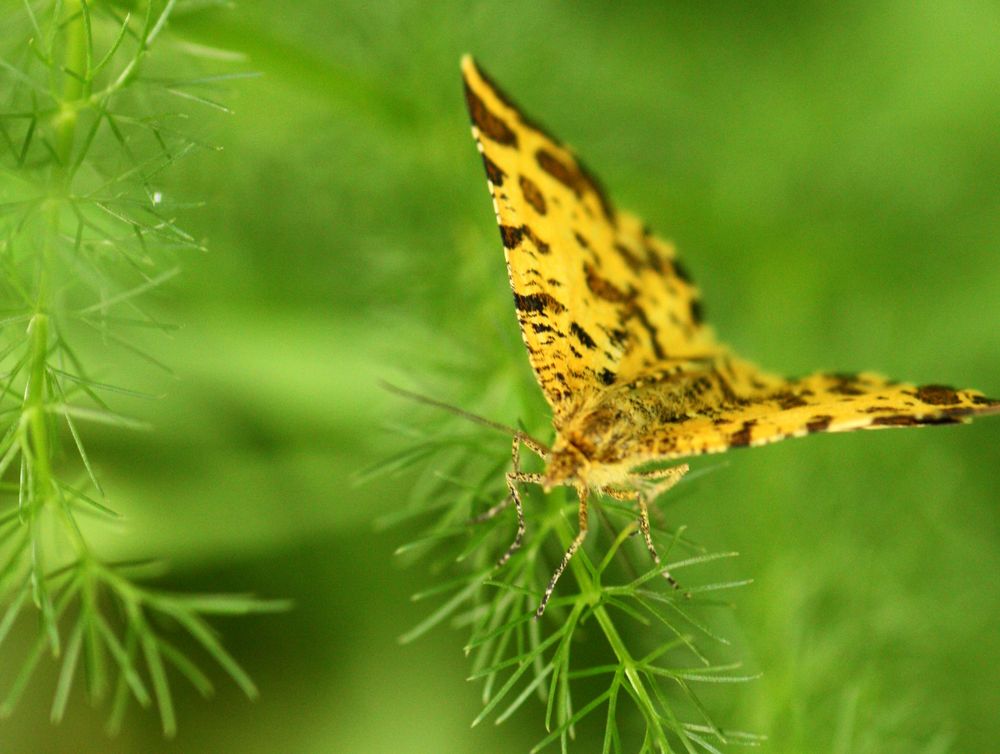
846	384
819	423
539	327
697	311
559	170
631	260
582	335
606	376
511	236
506	99
602	287
543	248
649	328
598	189
741	437
654	259
537	302
681	271
845	389
574	177
896	420
493	172
581	240
787	400
533	195
902	420
982	400
938	395
489	124
500	93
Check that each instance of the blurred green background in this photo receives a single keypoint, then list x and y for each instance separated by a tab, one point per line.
831	175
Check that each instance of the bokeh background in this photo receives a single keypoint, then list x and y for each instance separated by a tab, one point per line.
831	174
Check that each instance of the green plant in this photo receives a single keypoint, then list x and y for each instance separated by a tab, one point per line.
90	120
619	638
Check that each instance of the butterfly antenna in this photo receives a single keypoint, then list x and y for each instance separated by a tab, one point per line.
475	419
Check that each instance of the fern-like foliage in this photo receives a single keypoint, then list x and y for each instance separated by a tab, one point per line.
90	118
616	644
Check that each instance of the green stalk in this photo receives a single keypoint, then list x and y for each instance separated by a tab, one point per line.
37	394
73	85
591	591
38	330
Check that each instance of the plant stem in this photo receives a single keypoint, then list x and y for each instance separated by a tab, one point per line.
34	404
37	394
591	591
75	64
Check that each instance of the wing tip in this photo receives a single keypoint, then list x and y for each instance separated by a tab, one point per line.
986	406
474	76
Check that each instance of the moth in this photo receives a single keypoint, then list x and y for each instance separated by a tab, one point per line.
615	335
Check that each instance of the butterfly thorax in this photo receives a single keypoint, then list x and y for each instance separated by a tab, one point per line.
623	426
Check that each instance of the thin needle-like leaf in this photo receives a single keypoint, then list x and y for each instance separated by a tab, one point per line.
441	613
161	686
28	664
187	668
581	713
67	671
119	38
133	292
201	632
125	659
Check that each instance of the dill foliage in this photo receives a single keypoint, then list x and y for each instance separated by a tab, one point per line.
97	97
619	661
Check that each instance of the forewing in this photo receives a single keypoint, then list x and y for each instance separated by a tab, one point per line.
598	298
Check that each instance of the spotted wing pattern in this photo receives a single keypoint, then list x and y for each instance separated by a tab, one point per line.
731	404
613	324
822	403
599	298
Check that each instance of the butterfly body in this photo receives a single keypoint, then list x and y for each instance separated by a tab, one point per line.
615	333
618	428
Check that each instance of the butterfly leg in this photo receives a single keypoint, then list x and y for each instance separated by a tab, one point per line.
644	528
493	511
667	478
532	444
671	475
514	478
581	534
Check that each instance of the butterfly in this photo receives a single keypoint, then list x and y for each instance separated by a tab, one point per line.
615	335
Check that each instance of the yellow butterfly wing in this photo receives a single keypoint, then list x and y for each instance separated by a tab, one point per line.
614	330
599	299
741	414
711	407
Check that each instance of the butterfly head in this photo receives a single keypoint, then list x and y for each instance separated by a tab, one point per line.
566	465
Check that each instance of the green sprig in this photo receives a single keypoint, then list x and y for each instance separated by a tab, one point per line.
84	236
616	642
